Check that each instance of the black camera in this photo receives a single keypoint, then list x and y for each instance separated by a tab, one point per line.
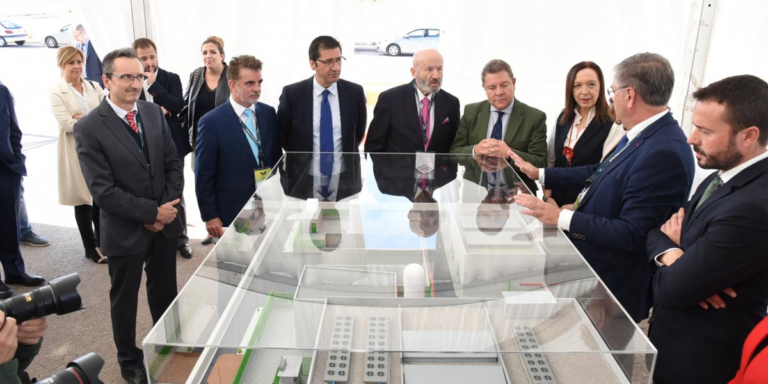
83	370
59	297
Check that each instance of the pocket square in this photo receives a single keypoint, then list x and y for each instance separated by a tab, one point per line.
446	121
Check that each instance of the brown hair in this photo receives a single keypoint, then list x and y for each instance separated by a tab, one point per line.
66	54
216	41
745	98
243	61
601	107
144	43
496	66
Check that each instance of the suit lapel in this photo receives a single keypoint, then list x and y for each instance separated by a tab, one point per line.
152	142
70	98
117	127
347	130
308	107
411	114
481	125
439	117
695	200
515	120
588	134
265	134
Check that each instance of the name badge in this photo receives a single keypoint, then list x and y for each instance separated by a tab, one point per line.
261	174
425	163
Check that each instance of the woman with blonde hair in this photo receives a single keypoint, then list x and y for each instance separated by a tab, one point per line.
71	99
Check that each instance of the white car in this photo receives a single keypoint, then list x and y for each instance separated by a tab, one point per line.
11	33
61	37
411	42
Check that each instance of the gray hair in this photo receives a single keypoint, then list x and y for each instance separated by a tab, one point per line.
651	76
109	60
79	27
496	66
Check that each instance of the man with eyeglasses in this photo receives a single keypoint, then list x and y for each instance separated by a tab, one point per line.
323	113
418	116
130	165
92	65
635	189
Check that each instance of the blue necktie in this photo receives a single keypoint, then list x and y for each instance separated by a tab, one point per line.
252	127
326	136
496	132
622	143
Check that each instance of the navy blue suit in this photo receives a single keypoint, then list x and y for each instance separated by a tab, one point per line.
724	244
166	92
635	193
11	170
224	179
93	65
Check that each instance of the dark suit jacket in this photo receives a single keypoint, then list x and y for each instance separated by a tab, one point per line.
638	191
10	135
224	179
526	133
166	92
123	185
297	182
396	128
724	244
93	65
294	116
395	174
588	151
187	115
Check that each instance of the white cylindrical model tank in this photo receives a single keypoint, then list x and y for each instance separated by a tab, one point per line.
413	281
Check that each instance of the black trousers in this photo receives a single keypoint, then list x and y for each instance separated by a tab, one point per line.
10	192
159	261
87	218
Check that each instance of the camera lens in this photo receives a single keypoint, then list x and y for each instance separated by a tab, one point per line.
59	297
83	370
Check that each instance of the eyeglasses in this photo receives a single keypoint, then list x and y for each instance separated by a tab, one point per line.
130	78
612	92
331	62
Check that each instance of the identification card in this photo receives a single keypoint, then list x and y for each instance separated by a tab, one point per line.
261	175
425	162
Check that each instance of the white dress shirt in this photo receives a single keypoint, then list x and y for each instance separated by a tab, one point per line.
333	100
121	113
568	138
83	102
564	219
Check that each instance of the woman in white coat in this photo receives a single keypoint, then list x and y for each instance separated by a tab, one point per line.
71	99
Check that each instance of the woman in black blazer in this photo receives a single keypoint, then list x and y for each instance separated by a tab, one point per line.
207	87
581	127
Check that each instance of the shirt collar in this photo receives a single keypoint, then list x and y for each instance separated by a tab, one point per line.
318	89
239	109
590	116
731	173
119	111
506	110
632	133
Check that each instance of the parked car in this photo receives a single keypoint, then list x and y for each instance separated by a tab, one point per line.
411	42
61	37
11	33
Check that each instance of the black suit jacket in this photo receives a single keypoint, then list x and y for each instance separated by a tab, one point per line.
126	188
294	116
297	182
395	174
588	151
10	135
724	244
93	65
166	92
396	128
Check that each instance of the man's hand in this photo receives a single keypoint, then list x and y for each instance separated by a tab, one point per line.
166	213
483	148
31	331
490	164
670	257
157	226
716	301
546	213
492	147
215	227
151	77
529	169
78	116
8	338
674	225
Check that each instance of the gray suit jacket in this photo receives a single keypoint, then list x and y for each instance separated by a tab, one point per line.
123	185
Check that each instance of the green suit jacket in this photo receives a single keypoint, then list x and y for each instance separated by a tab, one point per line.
526	133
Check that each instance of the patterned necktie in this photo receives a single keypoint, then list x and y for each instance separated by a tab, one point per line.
252	127
711	188
131	117
326	136
496	132
425	118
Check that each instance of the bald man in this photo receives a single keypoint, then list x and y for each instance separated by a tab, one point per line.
418	116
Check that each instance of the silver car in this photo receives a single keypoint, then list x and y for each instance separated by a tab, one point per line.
61	37
11	33
411	42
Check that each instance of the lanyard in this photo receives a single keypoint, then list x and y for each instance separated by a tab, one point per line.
598	171
423	121
255	139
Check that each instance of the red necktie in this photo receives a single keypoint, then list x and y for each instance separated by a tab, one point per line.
131	117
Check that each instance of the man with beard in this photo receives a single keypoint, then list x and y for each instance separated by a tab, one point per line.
418	116
491	128
711	271
237	144
164	89
635	189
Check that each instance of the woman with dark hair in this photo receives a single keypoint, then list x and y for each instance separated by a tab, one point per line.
207	88
582	127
